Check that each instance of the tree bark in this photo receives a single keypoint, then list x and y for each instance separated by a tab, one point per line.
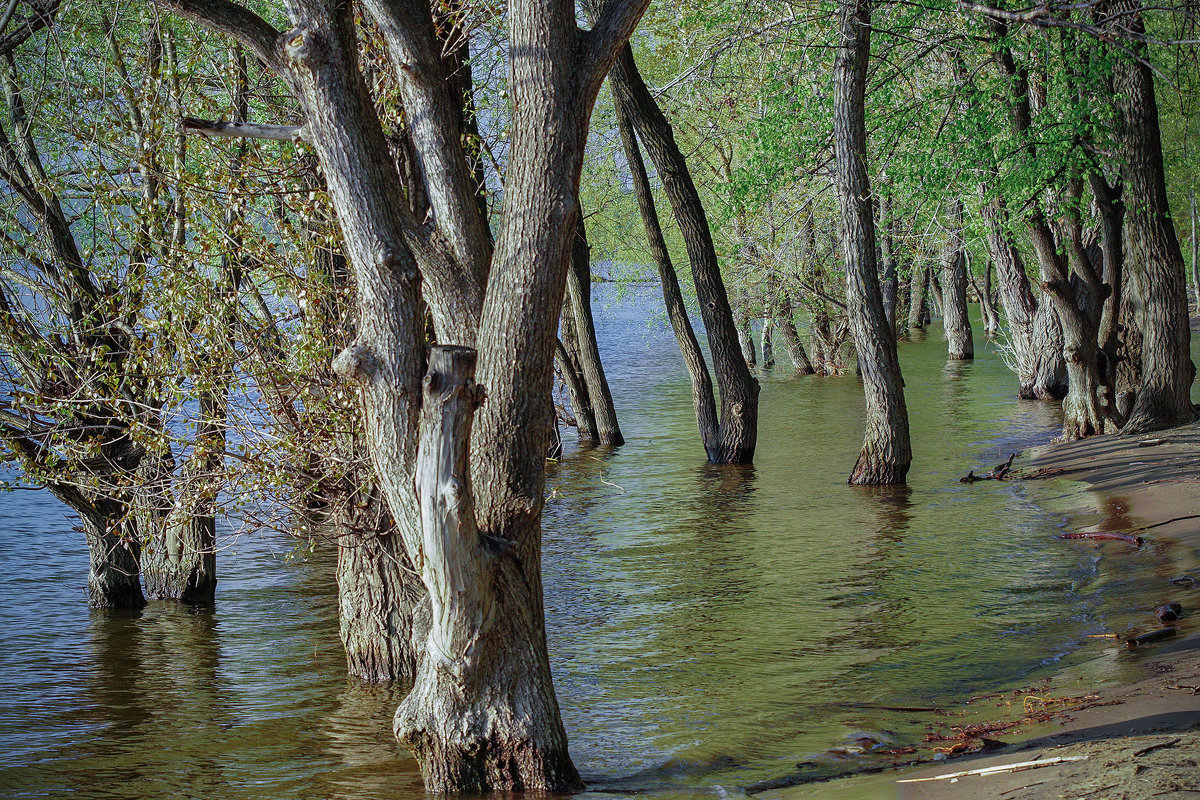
738	431
566	358
954	288
791	337
917	309
1164	397
579	301
703	399
886	452
889	281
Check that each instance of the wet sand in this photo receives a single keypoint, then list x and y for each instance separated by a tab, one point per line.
1137	740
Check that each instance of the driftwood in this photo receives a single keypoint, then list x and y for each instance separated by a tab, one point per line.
998	473
1102	536
997	770
1134	642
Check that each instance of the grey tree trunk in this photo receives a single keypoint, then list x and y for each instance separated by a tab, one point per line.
703	399
566	359
957	324
791	338
917	309
579	301
1164	397
889	281
886	452
383	609
767	341
738	431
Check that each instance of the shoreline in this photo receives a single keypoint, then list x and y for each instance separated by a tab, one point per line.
1139	738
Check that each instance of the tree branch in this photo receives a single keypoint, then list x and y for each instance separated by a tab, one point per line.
613	22
243	130
250	30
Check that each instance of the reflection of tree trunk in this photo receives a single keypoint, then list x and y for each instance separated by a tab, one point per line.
954	288
1164	397
579	305
738	387
886	451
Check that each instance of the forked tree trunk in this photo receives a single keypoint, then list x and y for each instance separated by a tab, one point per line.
886	451
738	433
957	324
579	303
791	337
566	360
1164	398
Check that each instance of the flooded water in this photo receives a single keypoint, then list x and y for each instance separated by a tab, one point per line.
708	626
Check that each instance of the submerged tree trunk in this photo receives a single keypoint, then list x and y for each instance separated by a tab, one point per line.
114	549
886	452
1164	397
954	288
889	281
566	359
579	301
745	329
791	337
767	341
917	310
703	399
383	609
738	433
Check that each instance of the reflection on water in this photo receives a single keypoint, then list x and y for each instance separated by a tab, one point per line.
708	625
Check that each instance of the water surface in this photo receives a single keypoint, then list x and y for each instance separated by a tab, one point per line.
708	626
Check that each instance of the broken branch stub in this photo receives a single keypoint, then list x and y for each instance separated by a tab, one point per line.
454	564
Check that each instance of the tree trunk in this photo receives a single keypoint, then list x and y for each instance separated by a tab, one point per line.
1164	397
114	549
767	341
383	609
745	329
566	359
738	431
936	292
916	306
886	452
991	318
1195	249
954	288
791	337
579	301
703	399
889	281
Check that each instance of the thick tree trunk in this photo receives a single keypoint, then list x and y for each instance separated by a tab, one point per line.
579	301
954	288
1049	369
114	549
1164	398
383	609
738	431
886	451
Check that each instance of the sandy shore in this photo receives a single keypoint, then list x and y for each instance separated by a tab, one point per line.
1140	739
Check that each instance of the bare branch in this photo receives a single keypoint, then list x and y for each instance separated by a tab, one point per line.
243	130
252	31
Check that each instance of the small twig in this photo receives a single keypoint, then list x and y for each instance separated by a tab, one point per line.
1158	746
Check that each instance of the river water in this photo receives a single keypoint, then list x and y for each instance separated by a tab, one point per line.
709	626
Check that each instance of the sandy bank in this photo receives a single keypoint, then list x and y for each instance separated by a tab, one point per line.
1137	740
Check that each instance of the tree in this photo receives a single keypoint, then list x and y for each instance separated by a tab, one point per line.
886	452
482	713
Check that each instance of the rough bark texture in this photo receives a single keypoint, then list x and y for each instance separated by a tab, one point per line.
959	340
579	301
886	452
703	399
383	610
889	280
791	337
113	553
738	431
566	360
1164	397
